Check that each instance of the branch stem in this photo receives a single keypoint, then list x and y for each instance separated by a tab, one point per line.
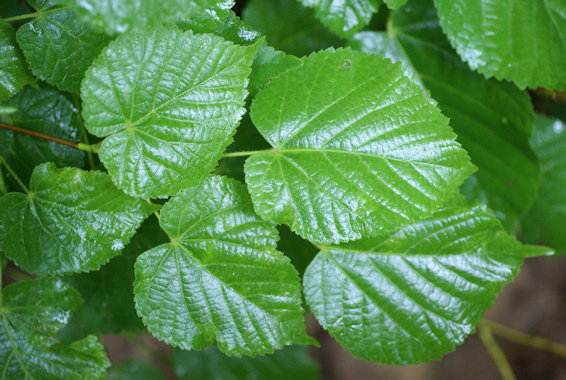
495	352
13	174
245	153
36	14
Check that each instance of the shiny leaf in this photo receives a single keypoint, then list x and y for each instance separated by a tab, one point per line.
221	279
170	102
14	72
522	41
412	295
31	311
72	221
493	119
358	149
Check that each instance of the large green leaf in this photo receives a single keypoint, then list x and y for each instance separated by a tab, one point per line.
46	111
71	221
290	363
118	16
221	279
522	41
31	312
170	101
411	296
300	33
546	220
14	72
344	17
357	149
493	120
59	47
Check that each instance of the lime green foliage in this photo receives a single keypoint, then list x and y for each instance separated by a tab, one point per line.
358	149
71	221
522	41
14	73
31	312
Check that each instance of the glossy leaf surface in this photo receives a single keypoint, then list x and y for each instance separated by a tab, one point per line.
59	47
358	149
32	311
547	218
72	221
412	295
493	120
170	102
289	363
14	73
221	279
522	41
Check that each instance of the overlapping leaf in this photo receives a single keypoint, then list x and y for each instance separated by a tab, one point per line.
220	280
493	120
14	72
46	111
119	16
547	218
170	102
71	221
289	363
412	295
522	41
31	312
357	149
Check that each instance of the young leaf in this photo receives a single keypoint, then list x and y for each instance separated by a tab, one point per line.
412	295
493	120
220	280
344	17
547	218
59	47
290	363
71	221
358	149
170	102
265	17
46	111
14	72
118	16
525	42
31	312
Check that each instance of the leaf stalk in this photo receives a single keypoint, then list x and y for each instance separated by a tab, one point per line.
495	352
36	14
246	153
13	174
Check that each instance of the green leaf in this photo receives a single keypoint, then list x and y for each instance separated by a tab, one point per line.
269	64
394	4
358	149
220	280
289	363
411	296
344	17
31	312
46	111
170	102
72	221
135	370
300	33
119	16
524	41
493	120
59	47
14	72
547	218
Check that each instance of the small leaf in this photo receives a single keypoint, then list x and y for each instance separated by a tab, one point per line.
220	280
413	295
118	16
265	17
72	221
170	102
290	363
31	312
46	111
14	72
344	17
547	218
525	42
135	370
357	149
